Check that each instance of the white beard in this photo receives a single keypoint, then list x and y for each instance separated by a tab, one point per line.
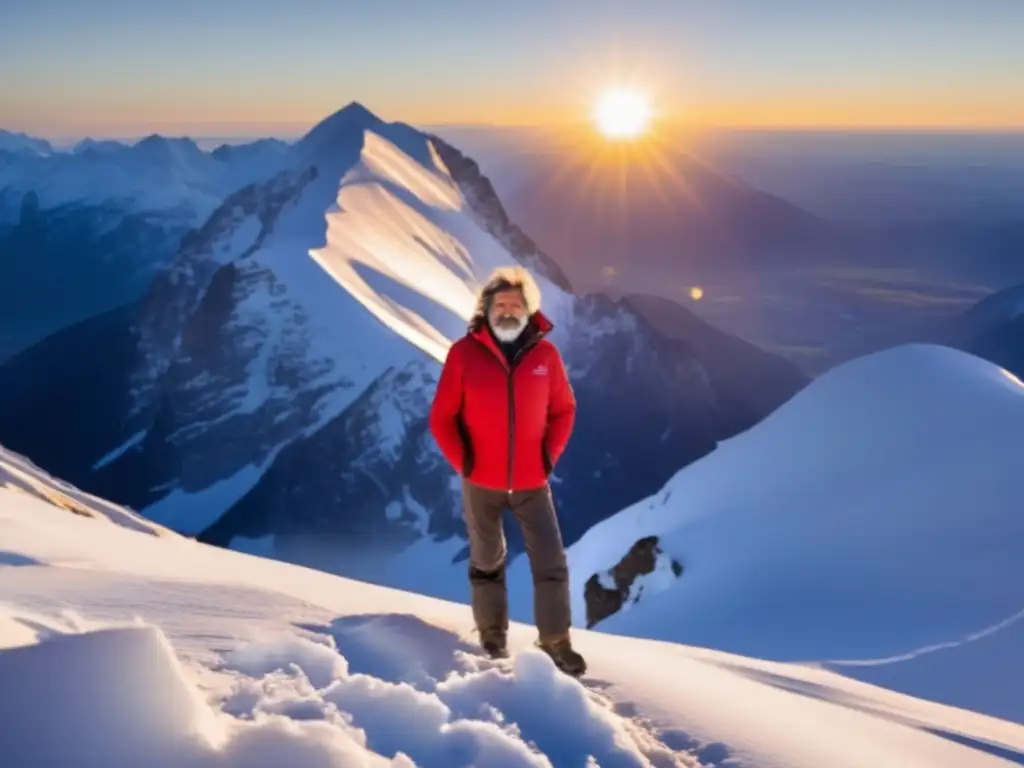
507	334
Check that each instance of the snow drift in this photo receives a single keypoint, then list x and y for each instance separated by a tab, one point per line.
123	649
872	523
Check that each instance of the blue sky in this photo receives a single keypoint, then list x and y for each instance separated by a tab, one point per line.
114	67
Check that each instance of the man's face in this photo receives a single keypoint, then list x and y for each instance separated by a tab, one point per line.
508	314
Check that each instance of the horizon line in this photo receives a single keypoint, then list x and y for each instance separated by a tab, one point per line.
291	130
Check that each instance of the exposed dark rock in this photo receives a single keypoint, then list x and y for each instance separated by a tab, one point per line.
602	601
486	204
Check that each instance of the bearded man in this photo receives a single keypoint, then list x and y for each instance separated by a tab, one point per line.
502	416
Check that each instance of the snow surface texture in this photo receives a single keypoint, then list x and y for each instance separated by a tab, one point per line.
122	649
871	525
19	475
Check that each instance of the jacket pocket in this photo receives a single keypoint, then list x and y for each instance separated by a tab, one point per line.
468	460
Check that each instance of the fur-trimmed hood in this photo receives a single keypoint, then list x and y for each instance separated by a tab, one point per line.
503	278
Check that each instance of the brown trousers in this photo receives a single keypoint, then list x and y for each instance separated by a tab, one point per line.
534	511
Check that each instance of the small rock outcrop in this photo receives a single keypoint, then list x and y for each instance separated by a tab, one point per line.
606	593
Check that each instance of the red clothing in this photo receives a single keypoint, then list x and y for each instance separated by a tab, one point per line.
488	442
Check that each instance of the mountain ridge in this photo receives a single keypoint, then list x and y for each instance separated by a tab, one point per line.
261	343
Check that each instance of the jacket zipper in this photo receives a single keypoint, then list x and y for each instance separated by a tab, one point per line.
512	413
511	424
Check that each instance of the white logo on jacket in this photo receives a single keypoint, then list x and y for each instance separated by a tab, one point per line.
540	370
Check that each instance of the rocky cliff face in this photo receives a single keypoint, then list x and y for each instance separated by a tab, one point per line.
65	264
486	205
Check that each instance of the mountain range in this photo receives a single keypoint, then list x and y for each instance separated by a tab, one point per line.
84	231
753	549
269	388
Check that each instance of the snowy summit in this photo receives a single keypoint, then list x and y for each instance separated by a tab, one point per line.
121	648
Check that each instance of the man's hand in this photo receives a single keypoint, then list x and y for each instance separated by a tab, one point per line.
444	411
561	412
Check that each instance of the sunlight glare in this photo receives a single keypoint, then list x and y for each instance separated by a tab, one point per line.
622	113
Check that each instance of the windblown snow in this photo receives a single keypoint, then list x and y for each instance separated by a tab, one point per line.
871	525
121	648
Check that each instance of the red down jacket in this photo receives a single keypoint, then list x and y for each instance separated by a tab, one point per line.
503	427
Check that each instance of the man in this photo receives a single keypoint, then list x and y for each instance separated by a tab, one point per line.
502	416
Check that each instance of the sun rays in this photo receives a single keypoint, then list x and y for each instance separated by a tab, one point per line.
622	113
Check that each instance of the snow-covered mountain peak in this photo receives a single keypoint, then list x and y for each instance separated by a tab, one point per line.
335	143
275	381
156	176
873	517
253	151
337	135
21	142
96	145
155	142
402	239
260	326
898	399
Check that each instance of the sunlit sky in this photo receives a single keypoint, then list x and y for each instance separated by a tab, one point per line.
233	67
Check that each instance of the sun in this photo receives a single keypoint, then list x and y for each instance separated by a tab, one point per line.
622	113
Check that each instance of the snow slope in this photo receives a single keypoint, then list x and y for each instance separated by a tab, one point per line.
872	525
237	661
18	475
403	241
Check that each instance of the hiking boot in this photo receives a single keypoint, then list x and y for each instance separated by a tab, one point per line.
565	658
494	645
